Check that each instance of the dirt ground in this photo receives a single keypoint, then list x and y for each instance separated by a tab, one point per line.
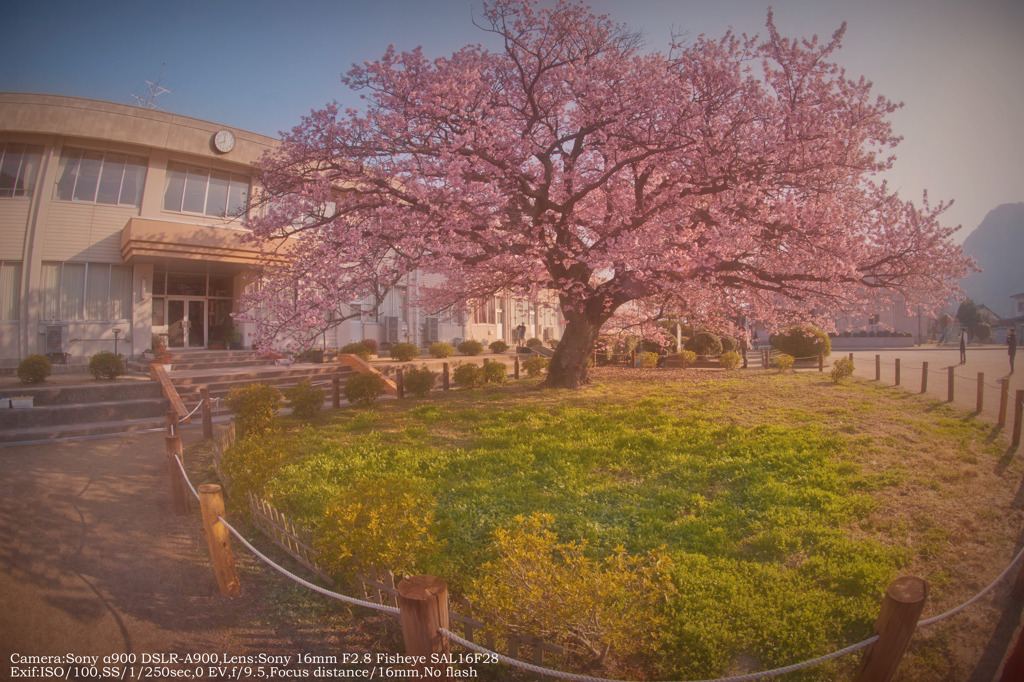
94	561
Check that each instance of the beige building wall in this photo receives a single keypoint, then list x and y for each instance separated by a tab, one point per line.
42	229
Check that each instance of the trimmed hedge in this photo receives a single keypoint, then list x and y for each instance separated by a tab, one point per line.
34	369
802	342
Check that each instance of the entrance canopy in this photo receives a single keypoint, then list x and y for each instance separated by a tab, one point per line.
143	240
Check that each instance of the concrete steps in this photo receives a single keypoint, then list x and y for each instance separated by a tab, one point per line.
89	408
220	384
221	371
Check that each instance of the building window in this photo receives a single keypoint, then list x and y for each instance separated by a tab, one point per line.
10	290
191	189
483	313
101	178
85	291
19	166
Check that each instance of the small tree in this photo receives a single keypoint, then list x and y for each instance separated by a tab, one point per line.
704	343
802	342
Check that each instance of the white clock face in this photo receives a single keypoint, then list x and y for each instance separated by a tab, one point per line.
224	141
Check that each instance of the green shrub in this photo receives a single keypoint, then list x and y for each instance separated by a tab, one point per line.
371	345
841	369
419	381
359	349
106	365
802	342
687	358
381	520
618	601
553	343
305	399
255	408
730	360
252	460
495	372
534	342
404	352
34	369
364	388
468	375
442	350
647	359
729	343
704	343
535	365
471	347
498	346
782	362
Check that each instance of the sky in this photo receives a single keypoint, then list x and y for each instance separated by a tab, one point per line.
260	65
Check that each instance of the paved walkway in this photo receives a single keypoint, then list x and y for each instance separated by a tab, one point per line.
94	561
991	360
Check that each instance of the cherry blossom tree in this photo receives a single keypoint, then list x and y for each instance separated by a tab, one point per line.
723	177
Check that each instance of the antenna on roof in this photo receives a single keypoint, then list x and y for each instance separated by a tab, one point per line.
155	90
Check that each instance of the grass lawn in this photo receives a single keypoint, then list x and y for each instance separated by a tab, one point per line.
782	505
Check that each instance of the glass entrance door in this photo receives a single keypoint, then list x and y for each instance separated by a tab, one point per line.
186	322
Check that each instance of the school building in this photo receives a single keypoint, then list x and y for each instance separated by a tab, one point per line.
119	222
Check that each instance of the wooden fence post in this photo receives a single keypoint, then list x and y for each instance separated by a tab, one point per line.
423	607
1018	585
821	362
924	377
851	358
1004	395
897	620
516	368
632	358
897	372
950	382
178	492
1018	417
981	391
336	391
445	376
878	368
172	423
207	410
218	540
400	383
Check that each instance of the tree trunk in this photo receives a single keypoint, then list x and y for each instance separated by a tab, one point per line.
570	364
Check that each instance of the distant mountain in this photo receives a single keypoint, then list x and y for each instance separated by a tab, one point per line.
998	246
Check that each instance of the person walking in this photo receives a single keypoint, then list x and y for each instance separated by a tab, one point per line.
1011	346
963	345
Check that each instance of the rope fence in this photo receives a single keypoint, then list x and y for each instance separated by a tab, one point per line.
1007	404
898	617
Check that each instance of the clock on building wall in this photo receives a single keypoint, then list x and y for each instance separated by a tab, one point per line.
224	141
